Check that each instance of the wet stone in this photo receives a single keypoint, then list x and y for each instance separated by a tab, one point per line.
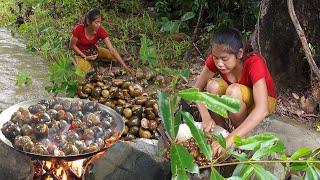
14	165
129	160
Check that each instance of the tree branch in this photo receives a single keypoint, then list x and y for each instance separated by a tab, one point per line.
303	39
195	32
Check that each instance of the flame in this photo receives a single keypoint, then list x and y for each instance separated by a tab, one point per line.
63	170
77	167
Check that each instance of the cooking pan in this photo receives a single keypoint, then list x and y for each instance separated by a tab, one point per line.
117	127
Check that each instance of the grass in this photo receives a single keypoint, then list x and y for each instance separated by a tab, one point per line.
6	17
125	33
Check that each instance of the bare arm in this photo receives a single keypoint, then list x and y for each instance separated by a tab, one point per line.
115	53
72	45
207	121
259	112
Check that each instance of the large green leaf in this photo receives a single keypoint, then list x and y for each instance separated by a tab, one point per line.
215	175
221	140
300	153
277	147
213	102
256	142
317	171
198	135
166	112
298	166
240	157
262	173
315	154
148	54
246	172
181	161
311	174
170	27
187	16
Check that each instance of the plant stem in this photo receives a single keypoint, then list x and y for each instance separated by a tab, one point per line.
249	162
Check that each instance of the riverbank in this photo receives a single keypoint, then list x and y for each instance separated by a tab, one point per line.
15	59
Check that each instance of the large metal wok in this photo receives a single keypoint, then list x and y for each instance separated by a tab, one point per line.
117	126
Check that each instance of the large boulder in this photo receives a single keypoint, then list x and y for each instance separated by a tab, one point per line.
131	160
14	165
294	134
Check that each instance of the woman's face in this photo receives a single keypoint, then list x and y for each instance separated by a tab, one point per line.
224	61
96	23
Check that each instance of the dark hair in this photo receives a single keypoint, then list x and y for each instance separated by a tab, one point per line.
231	38
90	16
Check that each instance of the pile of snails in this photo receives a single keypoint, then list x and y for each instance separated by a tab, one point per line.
193	148
92	51
60	127
126	95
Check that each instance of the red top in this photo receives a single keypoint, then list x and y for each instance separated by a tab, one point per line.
83	42
254	68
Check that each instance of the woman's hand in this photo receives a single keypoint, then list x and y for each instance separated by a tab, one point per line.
219	151
207	124
91	58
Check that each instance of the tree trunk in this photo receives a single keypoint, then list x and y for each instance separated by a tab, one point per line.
276	37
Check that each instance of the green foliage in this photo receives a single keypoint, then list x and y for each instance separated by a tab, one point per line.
6	17
167	107
215	175
217	104
63	78
301	153
23	78
181	161
221	140
148	53
176	75
205	148
253	148
262	144
173	26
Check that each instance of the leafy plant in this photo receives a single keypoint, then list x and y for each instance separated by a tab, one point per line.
23	78
148	52
172	26
181	160
63	77
255	149
176	75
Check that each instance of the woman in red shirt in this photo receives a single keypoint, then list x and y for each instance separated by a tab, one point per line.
84	38
245	76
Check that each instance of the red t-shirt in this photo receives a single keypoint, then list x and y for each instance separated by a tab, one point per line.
83	42
254	68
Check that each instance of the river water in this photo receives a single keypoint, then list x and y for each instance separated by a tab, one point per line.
14	58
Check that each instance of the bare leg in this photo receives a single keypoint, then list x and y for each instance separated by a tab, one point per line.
234	90
214	87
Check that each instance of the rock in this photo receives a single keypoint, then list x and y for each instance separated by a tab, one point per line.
14	165
131	160
276	169
293	134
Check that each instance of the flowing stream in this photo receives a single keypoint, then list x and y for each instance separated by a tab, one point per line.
16	58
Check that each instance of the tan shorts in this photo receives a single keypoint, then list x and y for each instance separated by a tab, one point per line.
86	66
247	95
